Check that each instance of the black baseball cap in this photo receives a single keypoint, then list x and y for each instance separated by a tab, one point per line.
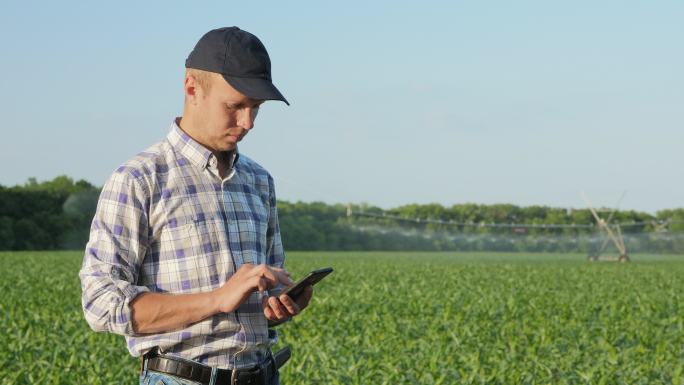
240	57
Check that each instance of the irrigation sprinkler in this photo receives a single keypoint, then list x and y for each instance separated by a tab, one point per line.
612	232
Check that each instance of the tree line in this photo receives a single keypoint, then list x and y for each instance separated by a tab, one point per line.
56	214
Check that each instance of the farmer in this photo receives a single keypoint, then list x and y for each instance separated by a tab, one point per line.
185	244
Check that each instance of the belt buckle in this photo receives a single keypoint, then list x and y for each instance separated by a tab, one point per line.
256	375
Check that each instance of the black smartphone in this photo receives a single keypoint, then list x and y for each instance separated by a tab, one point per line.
311	279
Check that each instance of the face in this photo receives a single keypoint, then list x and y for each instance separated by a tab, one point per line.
221	117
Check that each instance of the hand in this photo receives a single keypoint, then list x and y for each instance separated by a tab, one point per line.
243	283
279	308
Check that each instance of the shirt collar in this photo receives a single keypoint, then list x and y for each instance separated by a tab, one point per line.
197	154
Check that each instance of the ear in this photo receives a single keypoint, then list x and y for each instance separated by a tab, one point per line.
191	89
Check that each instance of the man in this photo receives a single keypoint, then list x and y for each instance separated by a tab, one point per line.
185	242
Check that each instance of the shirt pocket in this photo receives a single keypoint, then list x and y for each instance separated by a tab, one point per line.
178	269
214	260
190	259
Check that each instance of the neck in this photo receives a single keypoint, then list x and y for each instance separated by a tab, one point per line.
190	127
186	124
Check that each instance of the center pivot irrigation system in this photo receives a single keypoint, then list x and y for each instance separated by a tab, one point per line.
609	232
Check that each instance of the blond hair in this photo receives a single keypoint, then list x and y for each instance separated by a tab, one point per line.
203	78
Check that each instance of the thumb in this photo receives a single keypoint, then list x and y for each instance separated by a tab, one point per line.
262	285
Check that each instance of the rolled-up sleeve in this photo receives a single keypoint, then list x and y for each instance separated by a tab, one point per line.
114	254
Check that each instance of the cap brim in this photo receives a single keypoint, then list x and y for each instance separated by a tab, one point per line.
256	88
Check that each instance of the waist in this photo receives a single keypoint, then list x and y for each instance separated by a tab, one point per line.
225	350
261	373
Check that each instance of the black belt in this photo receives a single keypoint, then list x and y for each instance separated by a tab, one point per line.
258	375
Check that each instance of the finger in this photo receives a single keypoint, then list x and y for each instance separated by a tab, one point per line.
246	266
279	275
267	278
268	312
274	275
262	285
278	269
289	304
277	308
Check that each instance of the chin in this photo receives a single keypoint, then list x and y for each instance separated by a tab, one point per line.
229	147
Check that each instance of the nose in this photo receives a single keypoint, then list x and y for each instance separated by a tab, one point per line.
246	118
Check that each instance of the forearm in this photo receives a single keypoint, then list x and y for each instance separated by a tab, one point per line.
158	313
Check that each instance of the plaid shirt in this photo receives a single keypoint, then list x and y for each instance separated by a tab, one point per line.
167	223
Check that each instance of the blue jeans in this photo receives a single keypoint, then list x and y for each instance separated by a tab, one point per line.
156	378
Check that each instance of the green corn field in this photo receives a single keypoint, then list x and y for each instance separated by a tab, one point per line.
397	318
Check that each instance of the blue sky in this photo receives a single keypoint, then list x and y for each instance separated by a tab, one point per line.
393	102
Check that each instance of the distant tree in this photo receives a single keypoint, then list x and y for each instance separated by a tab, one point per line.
6	233
31	236
57	214
46	215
